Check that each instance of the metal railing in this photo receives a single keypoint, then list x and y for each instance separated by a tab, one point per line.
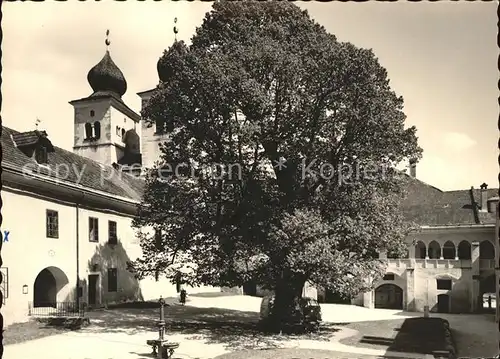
56	309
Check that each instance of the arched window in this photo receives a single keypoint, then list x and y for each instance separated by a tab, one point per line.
88	130
486	250
464	250
420	250
449	250
434	250
97	130
123	134
92	113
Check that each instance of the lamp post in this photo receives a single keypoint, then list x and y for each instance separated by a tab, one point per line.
161	328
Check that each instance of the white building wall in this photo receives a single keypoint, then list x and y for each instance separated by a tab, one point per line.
150	140
28	251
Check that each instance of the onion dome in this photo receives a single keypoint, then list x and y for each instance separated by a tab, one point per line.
172	58
106	76
171	61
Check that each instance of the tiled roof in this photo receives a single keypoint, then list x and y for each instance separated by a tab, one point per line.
427	205
95	176
424	204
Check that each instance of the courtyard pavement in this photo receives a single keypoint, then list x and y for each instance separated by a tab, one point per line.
121	334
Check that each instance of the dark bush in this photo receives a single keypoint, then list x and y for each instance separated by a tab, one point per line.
306	316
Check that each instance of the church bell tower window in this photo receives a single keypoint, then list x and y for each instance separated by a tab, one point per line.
88	131
97	130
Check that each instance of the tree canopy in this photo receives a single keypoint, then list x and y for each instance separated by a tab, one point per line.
279	164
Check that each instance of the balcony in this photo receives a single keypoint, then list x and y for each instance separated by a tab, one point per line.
399	263
443	263
431	263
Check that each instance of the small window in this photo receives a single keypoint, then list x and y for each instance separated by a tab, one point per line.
118	131
93	229
92	113
443	284
112	237
158	240
389	276
52	224
88	131
41	155
112	279
123	134
97	130
157	275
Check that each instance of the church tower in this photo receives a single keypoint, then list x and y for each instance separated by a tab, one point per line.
152	135
104	125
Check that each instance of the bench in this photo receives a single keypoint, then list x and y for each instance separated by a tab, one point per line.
167	348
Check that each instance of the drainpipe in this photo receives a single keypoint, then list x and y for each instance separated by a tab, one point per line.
78	251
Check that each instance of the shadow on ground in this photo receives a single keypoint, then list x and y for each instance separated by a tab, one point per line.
31	330
235	329
296	353
411	335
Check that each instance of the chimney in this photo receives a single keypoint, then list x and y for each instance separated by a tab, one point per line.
484	197
413	168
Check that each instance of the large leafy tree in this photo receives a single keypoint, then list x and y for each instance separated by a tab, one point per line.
279	167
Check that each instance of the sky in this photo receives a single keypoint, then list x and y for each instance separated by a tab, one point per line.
440	56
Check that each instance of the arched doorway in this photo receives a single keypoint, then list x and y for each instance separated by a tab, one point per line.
48	284
389	296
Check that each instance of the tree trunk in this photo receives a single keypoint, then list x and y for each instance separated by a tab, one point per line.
284	313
